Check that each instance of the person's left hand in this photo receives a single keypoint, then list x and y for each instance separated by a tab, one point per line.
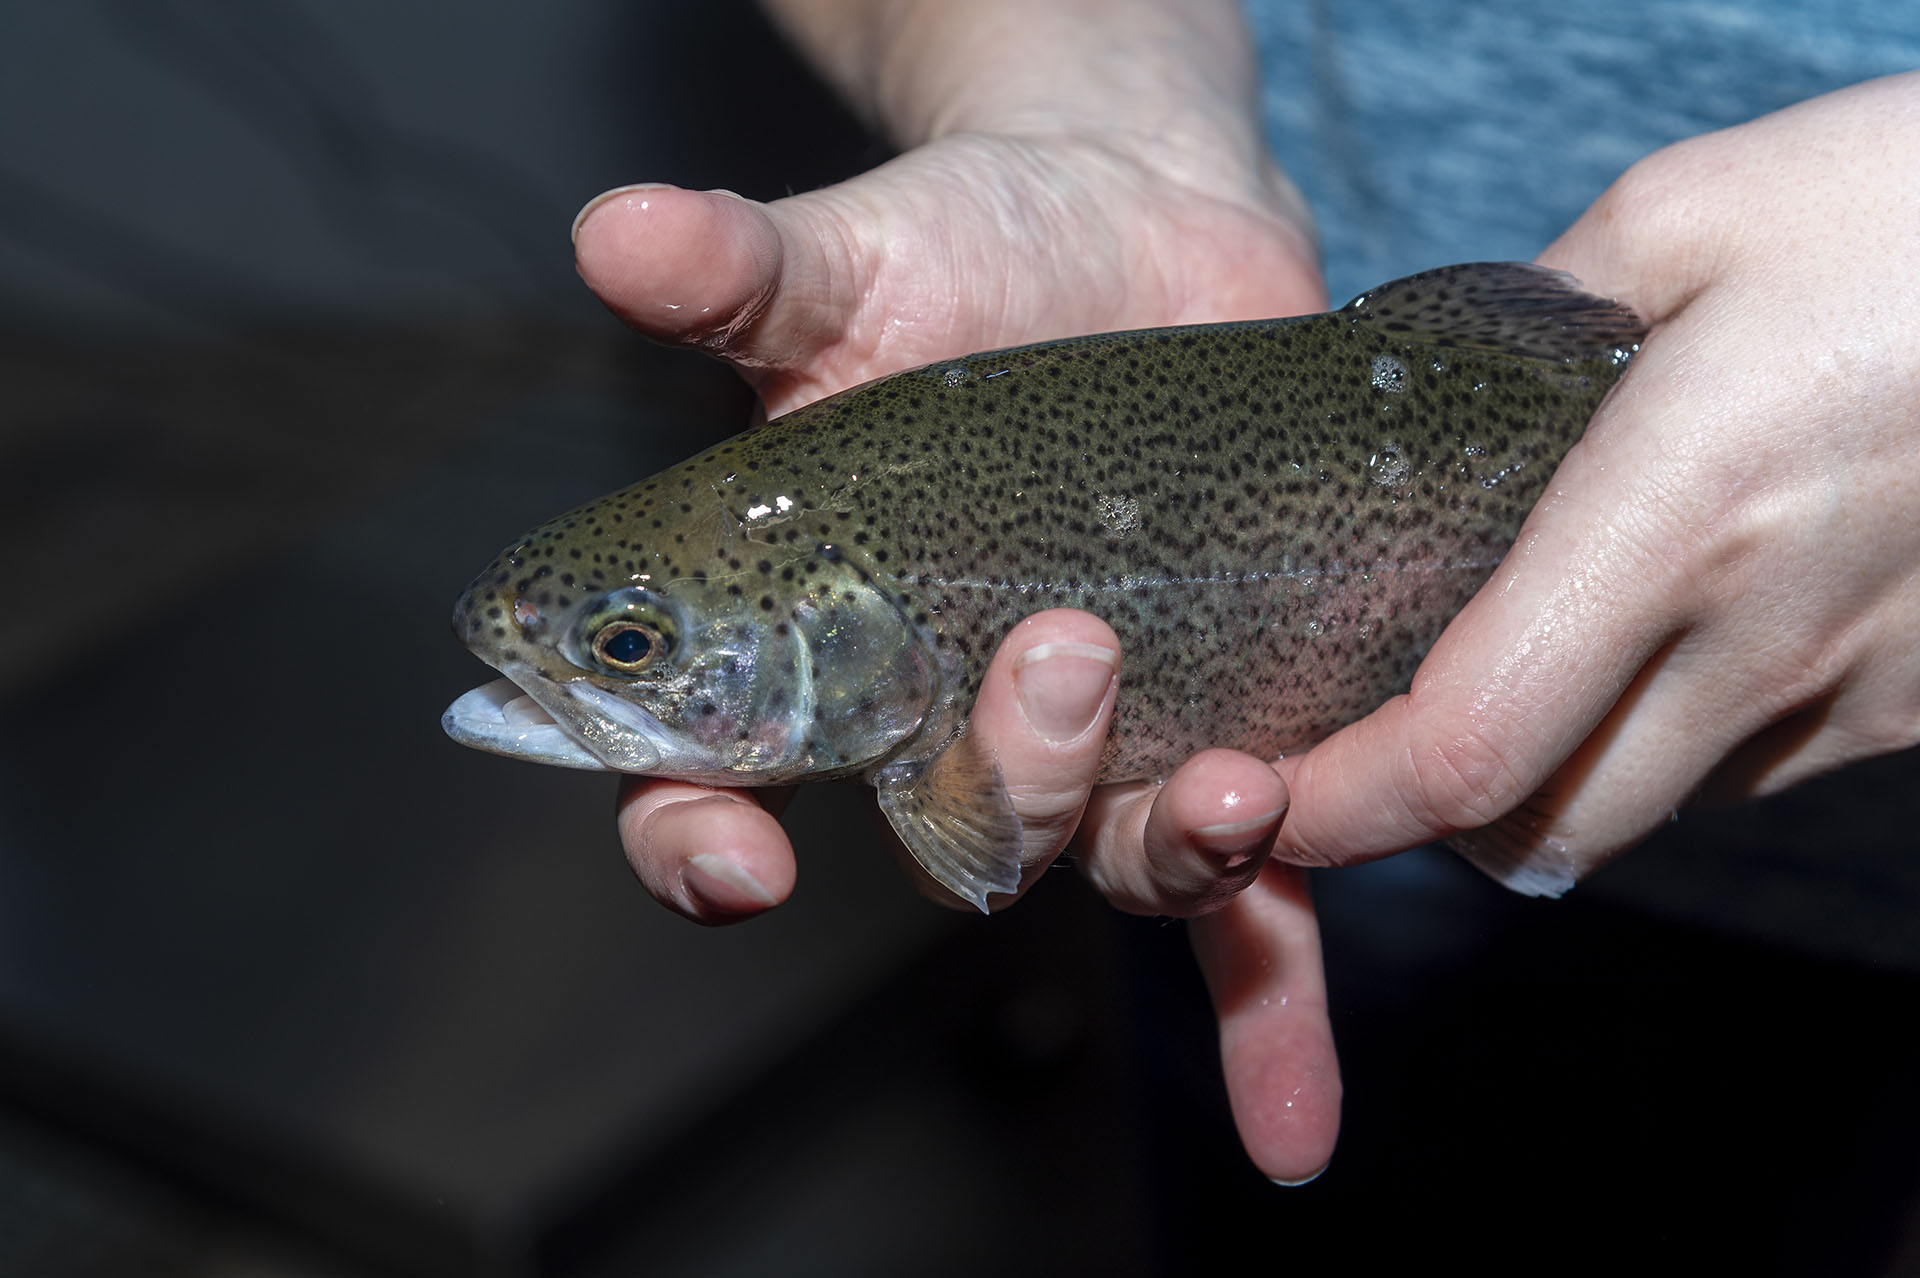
1720	593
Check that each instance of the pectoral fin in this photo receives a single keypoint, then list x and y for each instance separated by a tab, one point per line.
953	814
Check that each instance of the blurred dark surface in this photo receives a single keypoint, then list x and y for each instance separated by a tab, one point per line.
290	985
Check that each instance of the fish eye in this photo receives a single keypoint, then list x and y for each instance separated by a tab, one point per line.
625	632
627	647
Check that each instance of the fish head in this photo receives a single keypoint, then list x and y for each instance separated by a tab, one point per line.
758	664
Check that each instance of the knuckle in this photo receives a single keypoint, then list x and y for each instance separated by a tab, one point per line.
1116	876
1657	195
1113	857
1052	806
1463	779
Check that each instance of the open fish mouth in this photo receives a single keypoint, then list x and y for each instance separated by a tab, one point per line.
568	723
503	718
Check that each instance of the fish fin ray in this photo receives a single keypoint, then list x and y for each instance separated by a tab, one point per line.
956	820
1515	308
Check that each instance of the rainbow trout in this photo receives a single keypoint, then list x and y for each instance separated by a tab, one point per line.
1277	517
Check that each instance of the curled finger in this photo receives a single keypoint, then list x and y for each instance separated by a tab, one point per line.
1189	846
715	856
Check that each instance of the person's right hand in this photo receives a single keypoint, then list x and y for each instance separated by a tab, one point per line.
965	244
968	243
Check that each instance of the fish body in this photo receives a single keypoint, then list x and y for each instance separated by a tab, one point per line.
1276	517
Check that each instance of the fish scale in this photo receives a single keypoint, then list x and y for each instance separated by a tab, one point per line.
1276	517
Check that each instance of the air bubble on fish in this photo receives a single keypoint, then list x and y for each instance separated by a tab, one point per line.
1121	514
1389	374
1388	467
1498	477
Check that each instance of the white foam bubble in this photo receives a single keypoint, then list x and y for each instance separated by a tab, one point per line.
1389	374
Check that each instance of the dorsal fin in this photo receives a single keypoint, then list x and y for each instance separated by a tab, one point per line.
1513	307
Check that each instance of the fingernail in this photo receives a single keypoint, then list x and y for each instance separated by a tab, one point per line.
1062	686
1304	1180
586	211
1232	842
723	886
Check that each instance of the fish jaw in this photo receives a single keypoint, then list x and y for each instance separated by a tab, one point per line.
572	723
500	718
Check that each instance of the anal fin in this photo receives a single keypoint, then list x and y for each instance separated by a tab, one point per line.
953	814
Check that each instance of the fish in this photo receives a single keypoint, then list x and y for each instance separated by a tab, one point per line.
1277	517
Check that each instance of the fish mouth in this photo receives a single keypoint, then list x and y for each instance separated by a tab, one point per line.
567	723
503	718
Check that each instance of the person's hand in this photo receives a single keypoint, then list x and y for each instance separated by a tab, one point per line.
1062	176
966	244
1720	594
953	247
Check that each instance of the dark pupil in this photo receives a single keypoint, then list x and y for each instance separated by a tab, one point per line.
627	647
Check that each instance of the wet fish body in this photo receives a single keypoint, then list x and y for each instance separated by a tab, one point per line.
1277	518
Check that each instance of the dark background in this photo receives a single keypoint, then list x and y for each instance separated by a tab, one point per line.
290	343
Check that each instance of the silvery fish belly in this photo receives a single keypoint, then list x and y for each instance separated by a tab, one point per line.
1277	517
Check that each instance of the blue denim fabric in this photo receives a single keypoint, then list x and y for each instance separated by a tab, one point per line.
1425	132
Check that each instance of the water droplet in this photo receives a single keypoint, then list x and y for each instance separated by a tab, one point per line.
954	376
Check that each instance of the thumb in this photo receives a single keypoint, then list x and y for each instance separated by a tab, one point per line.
750	283
1042	712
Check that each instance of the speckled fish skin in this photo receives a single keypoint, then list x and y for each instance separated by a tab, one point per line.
1277	518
